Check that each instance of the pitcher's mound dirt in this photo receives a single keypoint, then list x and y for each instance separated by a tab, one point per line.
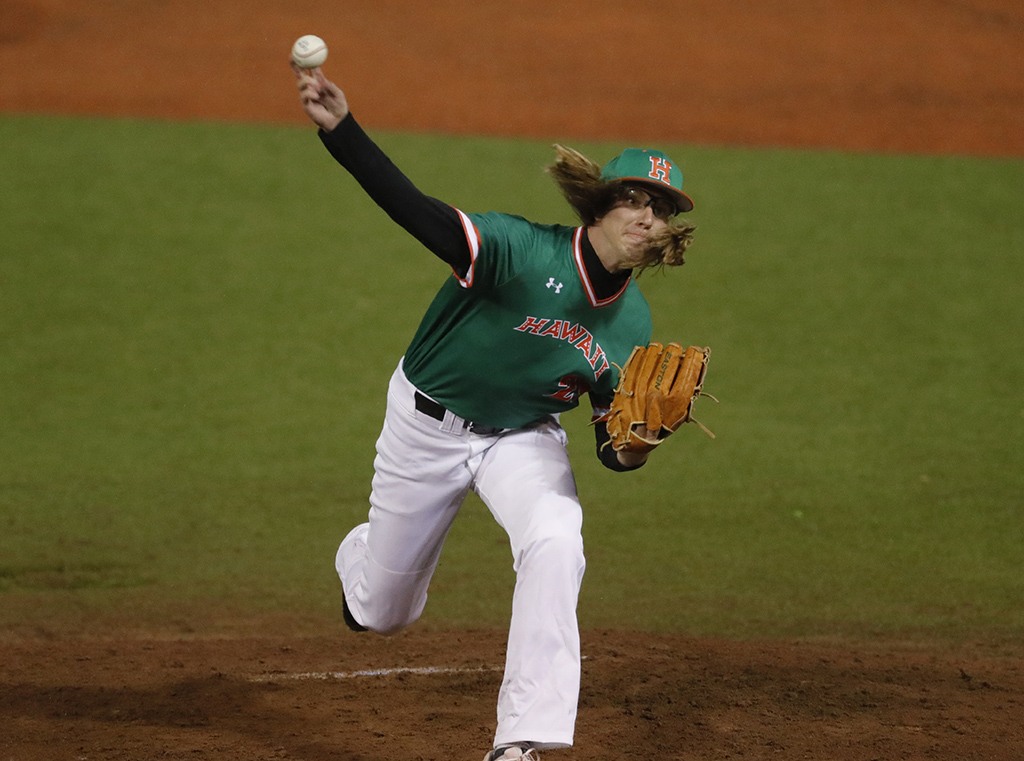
429	696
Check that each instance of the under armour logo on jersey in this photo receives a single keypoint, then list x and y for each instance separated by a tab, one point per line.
552	284
660	169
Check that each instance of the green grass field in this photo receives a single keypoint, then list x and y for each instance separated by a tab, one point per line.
197	323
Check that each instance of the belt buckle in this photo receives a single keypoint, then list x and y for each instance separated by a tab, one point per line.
483	430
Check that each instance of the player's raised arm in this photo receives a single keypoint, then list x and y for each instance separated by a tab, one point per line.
431	221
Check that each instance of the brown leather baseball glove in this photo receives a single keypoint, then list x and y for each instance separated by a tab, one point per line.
656	393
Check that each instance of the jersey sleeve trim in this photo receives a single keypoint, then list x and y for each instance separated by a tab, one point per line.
581	268
473	242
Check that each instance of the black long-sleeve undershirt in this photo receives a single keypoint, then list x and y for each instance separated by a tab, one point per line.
433	223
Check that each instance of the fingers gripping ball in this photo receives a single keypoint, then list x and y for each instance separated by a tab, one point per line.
309	52
655	396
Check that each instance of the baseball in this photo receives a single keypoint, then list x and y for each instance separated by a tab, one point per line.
309	51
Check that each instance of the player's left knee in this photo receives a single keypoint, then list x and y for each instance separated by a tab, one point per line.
554	551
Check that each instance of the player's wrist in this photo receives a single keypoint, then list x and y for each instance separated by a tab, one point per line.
632	459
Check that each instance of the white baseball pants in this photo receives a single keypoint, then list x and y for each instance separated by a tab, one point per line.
424	469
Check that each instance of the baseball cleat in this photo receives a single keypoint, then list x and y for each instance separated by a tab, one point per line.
350	620
512	753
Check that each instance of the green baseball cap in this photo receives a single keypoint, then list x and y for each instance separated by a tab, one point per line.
649	167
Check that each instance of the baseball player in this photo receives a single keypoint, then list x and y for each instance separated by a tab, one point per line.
534	317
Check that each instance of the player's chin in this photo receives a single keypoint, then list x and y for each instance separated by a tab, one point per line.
636	252
646	256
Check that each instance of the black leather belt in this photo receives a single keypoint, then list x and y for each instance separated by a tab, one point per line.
429	407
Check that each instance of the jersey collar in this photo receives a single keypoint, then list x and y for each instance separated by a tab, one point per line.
602	287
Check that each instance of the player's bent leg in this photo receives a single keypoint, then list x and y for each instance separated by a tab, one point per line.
419	483
377	598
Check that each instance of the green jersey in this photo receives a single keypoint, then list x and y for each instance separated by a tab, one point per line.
522	334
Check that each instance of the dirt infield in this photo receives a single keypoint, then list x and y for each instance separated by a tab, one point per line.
428	697
931	76
916	76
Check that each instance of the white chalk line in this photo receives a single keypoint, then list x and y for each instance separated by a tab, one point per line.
320	676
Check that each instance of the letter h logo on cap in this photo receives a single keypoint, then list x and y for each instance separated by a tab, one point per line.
661	169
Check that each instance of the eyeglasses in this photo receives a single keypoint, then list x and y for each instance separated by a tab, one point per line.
637	199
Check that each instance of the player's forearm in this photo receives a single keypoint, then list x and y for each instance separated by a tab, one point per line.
434	223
